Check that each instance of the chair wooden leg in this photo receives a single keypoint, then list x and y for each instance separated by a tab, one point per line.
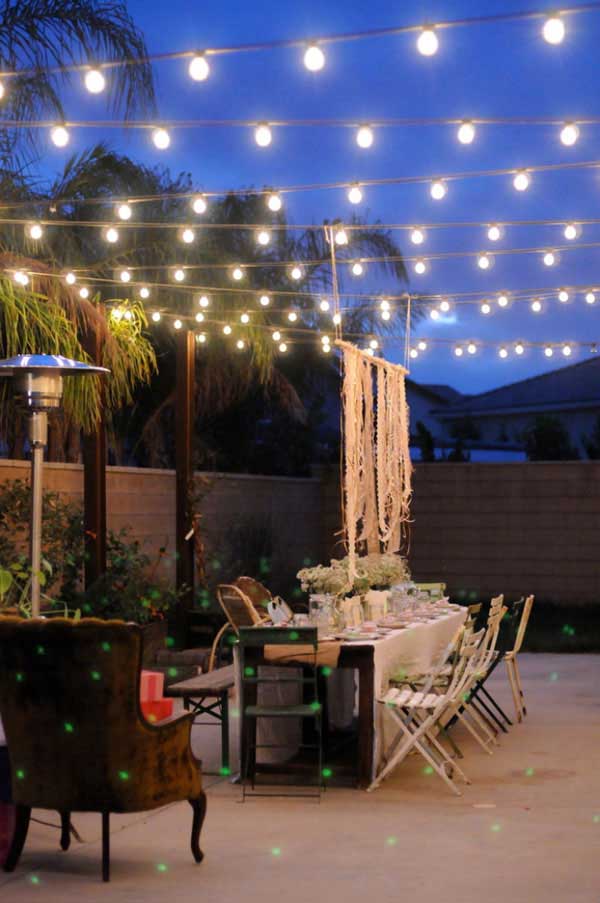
22	816
513	687
65	830
105	846
199	807
519	685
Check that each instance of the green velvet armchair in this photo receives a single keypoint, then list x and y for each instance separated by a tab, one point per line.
77	739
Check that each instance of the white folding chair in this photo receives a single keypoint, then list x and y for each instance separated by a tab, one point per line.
510	659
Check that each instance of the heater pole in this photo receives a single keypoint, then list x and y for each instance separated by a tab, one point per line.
38	438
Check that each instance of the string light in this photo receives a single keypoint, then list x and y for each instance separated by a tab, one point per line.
199	204
177	324
84	293
357	269
283	347
199	318
427	42
422	345
364	136
274	203
35	231
125	276
59	136
458	351
324	305
384	304
245	318
434	314
420	267
503	353
199	69
563	296
156	317
590	298
21	278
438	189
471	348
485	261
179	275
336	319
70	278
553	30
341	237
94	81
201	338
494	233
112	235
485	308
124	211
116	314
373	344
265	300
522	180
263	237
128	315
296	273
276	336
326	348
385	315
263	135
240	344
161	139
355	194
417	236
188	236
569	134
548	351
502	301
237	274
519	349
314	58
536	306
566	350
204	301
227	329
571	232
414	353
444	306
144	292
549	258
2	90
466	132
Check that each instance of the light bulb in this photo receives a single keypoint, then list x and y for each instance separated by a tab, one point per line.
590	298
422	345
355	195
370	352
536	306
549	259
314	58
116	314
161	139
522	180
179	275
237	274
373	344
519	348
417	236
427	42
324	305
35	231
502	301
444	306
494	233
21	278
471	348
503	353
125	276
263	237
276	335
274	203
336	319
364	136
385	315
571	232
227	329
112	235
357	269
553	30
569	134
265	300
124	211
201	338
84	293
434	314
485	308
94	81
2	90
283	347
438	190
128	315
199	317
204	301
188	236
566	350
466	132
484	261
177	324
548	351
563	296
458	351
325	339
199	204
263	135
341	237
414	353
244	318
384	305
144	292
326	348
198	69
156	317
420	267
292	316
59	136
70	278
296	273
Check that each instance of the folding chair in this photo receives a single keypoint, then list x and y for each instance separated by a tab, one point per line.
435	590
418	714
510	659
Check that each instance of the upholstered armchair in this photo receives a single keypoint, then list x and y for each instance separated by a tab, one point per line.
77	739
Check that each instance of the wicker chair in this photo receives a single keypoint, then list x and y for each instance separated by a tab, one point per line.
239	611
77	739
258	594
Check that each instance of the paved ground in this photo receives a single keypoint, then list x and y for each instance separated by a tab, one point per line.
526	831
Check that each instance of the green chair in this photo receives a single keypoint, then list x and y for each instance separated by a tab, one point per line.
302	653
77	739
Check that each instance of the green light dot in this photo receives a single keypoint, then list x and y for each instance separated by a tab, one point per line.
553	676
315	706
391	841
169	642
596	819
327	772
234	712
34	879
124	775
20	773
248	671
296	592
294	635
161	867
205	604
19	677
105	646
529	772
69	728
496	827
224	771
276	851
428	770
307	562
326	671
232	640
95	675
40	650
173	672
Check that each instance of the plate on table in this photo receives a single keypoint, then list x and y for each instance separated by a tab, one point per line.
361	637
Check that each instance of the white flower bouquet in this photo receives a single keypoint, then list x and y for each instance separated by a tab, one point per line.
374	571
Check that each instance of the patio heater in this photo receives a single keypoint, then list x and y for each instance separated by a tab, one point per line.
38	389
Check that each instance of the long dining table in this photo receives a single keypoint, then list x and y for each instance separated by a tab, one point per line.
414	648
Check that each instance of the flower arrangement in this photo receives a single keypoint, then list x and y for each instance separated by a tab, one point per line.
372	571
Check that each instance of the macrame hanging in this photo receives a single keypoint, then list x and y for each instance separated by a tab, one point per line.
377	469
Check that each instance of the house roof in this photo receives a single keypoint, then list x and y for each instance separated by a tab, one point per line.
569	388
439	393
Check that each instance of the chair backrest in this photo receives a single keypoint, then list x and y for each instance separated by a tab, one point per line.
238	608
69	702
256	638
523	623
258	594
434	589
468	661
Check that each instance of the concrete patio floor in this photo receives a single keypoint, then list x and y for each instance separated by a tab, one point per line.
526	831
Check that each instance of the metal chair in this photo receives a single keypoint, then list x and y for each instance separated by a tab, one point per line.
251	652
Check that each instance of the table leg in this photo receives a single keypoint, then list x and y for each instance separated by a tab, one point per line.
366	715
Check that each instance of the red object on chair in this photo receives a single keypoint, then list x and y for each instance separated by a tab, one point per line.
157	709
151	685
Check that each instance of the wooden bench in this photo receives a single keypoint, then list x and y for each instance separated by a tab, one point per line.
214	685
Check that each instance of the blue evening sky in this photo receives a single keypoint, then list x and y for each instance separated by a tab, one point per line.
488	70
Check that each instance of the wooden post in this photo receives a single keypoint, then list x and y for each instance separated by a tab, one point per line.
184	422
94	479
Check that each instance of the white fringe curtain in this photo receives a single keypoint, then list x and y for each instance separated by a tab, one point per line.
377	469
